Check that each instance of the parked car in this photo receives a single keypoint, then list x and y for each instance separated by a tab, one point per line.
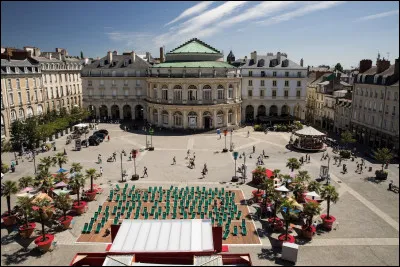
101	135
104	131
94	140
84	142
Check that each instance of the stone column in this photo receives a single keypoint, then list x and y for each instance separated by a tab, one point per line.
215	119
170	119
159	123
185	119
226	117
200	93
200	119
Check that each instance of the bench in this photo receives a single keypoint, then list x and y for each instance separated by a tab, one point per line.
395	188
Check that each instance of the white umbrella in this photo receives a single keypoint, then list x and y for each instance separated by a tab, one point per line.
25	194
2	174
312	194
282	188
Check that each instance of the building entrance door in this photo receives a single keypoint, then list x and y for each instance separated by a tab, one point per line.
207	122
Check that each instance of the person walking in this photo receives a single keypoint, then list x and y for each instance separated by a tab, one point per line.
194	156
390	185
174	161
205	168
114	156
309	158
323	155
358	167
344	168
254	149
188	154
145	172
99	159
361	169
101	171
108	138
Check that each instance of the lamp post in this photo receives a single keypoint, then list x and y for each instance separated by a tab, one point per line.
151	132
231	147
225	149
244	167
235	156
145	130
134	155
34	158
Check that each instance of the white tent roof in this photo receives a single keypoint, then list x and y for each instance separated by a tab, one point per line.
312	194
81	125
310	131
282	189
164	236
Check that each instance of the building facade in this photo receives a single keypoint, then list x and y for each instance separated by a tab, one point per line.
22	94
342	116
193	88
375	104
273	88
114	87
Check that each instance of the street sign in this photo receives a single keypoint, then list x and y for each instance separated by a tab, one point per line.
225	132
218	131
235	155
151	131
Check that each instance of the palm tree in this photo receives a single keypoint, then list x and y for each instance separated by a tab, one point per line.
303	177
298	190
383	155
76	183
276	173
314	186
269	188
61	176
61	159
91	173
47	162
9	188
329	194
76	166
347	138
25	204
292	164
25	181
286	208
64	203
40	211
311	209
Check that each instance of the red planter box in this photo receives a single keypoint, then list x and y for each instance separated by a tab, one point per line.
26	232
46	244
258	195
290	238
80	209
91	194
9	220
66	223
308	232
328	222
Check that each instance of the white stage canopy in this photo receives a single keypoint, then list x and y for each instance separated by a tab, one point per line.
164	236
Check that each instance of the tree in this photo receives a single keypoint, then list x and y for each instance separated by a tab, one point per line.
338	67
17	134
293	164
47	162
383	155
25	205
63	203
310	210
25	181
347	138
9	188
314	186
61	159
286	208
91	173
81	55
76	167
40	208
329	194
276	173
303	177
76	183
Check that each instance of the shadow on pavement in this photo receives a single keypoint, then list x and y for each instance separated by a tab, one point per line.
21	255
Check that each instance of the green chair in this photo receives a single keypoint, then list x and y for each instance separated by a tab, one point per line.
243	223
193	216
117	187
96	214
146	215
89	230
114	210
85	228
164	215
239	214
226	234
98	228
244	231
202	215
156	216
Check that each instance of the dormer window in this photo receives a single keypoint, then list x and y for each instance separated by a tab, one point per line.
102	63
114	73
16	70
126	62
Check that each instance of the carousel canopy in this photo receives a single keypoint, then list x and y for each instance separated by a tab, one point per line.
309	131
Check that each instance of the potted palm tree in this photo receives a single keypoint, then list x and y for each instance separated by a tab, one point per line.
314	186
329	194
302	178
77	182
92	174
9	188
40	212
25	181
25	205
293	164
47	162
384	156
76	167
286	208
276	222
64	203
310	210
61	159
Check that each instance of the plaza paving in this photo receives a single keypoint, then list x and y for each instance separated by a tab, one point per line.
367	213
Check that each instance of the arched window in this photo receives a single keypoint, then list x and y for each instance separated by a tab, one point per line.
175	87
155	116
13	115
230	116
220	117
230	91
164	115
207	93
192	93
178	119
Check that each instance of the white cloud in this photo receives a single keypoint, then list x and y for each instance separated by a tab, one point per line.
379	15
308	8
132	40
191	11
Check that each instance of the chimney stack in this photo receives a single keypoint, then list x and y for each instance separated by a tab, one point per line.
115	53
109	57
301	62
133	55
161	54
253	56
148	56
278	56
365	64
382	65
49	55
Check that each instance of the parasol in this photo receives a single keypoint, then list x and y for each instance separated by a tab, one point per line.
282	188
27	189
62	170
61	191
42	196
25	194
312	194
60	184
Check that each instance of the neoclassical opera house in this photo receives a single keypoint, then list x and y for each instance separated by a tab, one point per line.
193	88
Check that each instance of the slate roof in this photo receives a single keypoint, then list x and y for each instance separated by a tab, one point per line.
119	59
194	46
344	83
17	63
270	62
194	64
312	81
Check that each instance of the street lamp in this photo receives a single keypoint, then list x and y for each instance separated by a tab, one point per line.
145	130
225	133
235	156
134	155
244	169
122	172
231	145
151	132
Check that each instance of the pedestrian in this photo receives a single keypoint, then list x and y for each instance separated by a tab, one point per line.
263	153
344	169
125	128
188	153
65	152
114	156
254	149
194	156
99	158
390	185
361	169
174	161
358	166
248	133
309	158
362	162
108	138
205	168
101	171
145	172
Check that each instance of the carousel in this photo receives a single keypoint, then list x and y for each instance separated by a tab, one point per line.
308	139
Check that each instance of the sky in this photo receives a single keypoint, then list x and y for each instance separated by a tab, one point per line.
320	32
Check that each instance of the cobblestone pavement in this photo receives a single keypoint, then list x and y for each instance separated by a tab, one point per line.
366	211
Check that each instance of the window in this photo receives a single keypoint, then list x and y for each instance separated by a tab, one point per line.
125	82
273	83
262	83
178	119
262	73
230	92
90	83
27	83
262	93
380	107
126	92
165	94
207	95
273	93
28	96
11	99
137	82
250	82
374	106
36	97
177	95
192	95
388	95
250	93
250	73
19	98
286	93
21	113
112	82
286	74
274	74
299	74
298	83
220	93
230	117
114	92
286	83
9	86
298	93
165	117
13	115
101	82
18	84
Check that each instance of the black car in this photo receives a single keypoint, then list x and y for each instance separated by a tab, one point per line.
100	135
104	131
94	140
84	142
